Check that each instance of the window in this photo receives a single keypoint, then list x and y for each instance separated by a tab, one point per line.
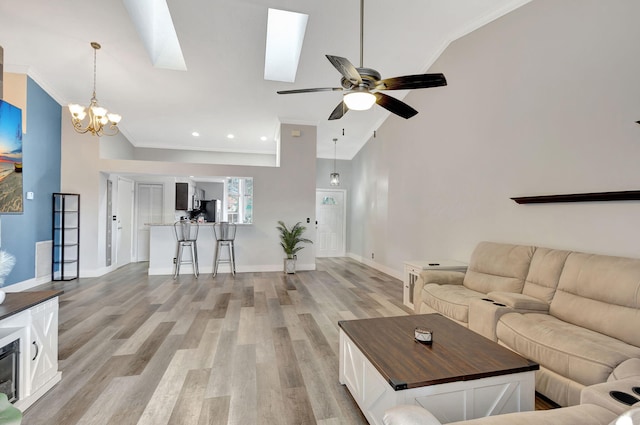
239	205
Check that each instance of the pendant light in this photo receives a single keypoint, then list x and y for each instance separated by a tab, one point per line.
334	178
97	117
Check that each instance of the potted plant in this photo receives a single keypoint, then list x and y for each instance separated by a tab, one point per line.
290	240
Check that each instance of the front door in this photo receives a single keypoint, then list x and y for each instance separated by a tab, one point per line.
330	228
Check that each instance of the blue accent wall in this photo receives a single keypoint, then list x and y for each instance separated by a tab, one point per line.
41	151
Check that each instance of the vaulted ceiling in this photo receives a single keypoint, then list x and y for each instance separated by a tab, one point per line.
223	43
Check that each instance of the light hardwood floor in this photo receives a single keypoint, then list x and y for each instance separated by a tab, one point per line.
258	348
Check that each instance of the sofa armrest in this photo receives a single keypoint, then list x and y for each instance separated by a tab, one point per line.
441	277
629	368
519	302
600	395
484	314
409	415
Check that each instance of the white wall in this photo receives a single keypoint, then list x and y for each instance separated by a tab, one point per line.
280	193
80	174
205	157
116	147
119	147
541	101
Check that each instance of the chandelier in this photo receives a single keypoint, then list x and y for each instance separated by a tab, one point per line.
334	178
97	116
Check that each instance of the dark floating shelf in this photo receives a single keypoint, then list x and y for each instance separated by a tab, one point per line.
627	195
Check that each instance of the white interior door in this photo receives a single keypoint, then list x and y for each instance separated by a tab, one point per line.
331	218
124	217
149	201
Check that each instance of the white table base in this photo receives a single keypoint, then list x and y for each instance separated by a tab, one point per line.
449	402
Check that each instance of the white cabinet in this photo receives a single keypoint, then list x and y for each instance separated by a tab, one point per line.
413	268
43	344
37	329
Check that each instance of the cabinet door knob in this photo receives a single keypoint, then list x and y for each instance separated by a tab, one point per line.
37	351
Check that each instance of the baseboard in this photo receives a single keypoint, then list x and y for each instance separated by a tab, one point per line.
225	268
25	285
96	272
382	268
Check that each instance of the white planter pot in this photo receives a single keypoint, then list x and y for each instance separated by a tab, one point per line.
290	265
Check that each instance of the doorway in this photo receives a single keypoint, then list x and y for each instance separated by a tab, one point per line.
149	202
124	215
330	225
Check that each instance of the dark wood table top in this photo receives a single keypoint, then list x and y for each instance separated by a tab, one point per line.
456	354
18	301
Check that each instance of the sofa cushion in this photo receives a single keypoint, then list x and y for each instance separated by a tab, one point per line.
450	300
600	293
498	267
587	414
544	273
580	354
625	370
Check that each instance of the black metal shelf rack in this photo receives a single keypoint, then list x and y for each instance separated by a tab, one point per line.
65	264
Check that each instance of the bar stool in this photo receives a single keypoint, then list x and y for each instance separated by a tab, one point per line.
225	234
186	235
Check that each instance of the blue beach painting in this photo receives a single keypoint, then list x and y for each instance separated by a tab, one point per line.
11	193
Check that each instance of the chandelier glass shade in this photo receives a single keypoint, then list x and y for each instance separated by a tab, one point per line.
334	178
360	99
94	119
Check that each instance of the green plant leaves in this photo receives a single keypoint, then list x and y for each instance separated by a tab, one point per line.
290	238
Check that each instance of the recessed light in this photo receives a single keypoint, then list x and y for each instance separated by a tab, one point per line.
230	136
195	134
263	138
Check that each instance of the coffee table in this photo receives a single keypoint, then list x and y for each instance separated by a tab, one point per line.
461	375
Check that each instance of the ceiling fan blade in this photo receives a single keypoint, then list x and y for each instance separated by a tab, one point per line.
346	68
420	81
339	112
394	105
310	90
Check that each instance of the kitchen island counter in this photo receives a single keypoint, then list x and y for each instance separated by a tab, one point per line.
162	250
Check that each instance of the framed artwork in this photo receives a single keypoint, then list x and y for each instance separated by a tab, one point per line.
11	192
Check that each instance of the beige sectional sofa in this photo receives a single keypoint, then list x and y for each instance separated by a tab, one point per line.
576	314
586	414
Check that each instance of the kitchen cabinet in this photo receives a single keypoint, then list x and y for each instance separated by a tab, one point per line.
182	196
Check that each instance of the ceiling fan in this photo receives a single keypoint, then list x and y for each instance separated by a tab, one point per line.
361	85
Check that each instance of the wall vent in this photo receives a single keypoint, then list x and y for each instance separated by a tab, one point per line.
43	258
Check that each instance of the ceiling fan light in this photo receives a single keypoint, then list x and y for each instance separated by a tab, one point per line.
359	100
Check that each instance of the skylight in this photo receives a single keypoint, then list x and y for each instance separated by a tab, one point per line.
155	27
285	34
